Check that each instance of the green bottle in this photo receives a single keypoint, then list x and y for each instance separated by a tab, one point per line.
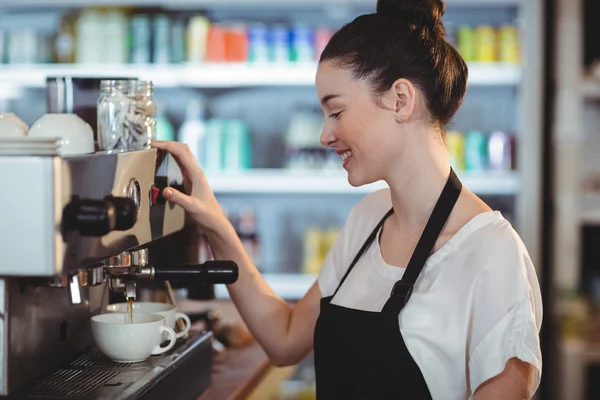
164	129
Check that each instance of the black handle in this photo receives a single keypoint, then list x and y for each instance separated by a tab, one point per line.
126	212
89	217
99	217
211	271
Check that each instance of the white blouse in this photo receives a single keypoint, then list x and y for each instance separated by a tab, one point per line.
476	304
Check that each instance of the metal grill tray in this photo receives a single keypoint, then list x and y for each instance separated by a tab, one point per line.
183	372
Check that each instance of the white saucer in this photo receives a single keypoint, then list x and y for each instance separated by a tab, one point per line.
28	146
29	140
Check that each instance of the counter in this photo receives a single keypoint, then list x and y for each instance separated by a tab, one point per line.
238	373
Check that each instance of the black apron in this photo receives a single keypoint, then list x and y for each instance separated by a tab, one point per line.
361	354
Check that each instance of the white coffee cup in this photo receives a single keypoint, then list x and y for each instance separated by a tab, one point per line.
166	310
126	342
77	136
12	126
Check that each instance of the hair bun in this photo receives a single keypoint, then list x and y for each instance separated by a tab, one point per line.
418	12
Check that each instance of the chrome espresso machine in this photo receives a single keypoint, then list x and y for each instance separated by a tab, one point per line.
74	229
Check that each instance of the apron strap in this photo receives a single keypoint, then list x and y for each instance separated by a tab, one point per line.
402	289
364	248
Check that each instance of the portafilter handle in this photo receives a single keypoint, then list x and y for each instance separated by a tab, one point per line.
225	272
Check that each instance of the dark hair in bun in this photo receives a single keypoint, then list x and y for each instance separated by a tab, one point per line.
419	12
404	39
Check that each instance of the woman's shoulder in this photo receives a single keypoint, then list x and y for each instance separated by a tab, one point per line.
494	254
493	238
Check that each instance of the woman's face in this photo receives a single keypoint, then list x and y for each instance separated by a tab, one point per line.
362	132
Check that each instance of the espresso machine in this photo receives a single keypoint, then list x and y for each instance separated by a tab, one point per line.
73	230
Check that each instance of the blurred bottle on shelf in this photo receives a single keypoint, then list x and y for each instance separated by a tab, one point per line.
141	32
25	46
317	242
109	35
227	146
161	43
237	152
466	43
476	151
500	151
164	128
485	44
258	43
236	43
301	44
115	26
213	152
89	33
479	151
509	44
178	40
197	38
193	130
279	42
64	43
216	47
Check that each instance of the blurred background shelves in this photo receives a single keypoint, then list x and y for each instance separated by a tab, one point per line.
282	181
289	286
220	75
234	80
22	4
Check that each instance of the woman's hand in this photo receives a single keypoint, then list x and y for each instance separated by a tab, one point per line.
201	204
285	333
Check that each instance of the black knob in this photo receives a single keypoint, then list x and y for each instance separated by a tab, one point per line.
126	212
211	271
89	217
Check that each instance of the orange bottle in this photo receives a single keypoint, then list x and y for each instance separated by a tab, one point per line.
216	43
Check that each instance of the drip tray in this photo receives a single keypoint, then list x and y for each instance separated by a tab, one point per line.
181	373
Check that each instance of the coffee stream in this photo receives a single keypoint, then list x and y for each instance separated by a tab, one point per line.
130	310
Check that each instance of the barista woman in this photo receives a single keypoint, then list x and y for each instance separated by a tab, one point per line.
427	292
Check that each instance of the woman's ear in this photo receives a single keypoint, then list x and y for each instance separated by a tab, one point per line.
401	99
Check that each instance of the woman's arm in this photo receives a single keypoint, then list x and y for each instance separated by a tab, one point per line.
513	383
284	332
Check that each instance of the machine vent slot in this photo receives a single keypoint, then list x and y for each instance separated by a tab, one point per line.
95	359
69	384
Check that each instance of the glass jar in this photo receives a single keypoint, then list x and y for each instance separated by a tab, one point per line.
126	115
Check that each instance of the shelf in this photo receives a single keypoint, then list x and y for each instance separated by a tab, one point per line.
287	286
281	181
494	74
219	75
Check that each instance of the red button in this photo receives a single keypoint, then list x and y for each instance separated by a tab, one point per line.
155	192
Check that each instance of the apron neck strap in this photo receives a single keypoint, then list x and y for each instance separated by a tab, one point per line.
403	288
